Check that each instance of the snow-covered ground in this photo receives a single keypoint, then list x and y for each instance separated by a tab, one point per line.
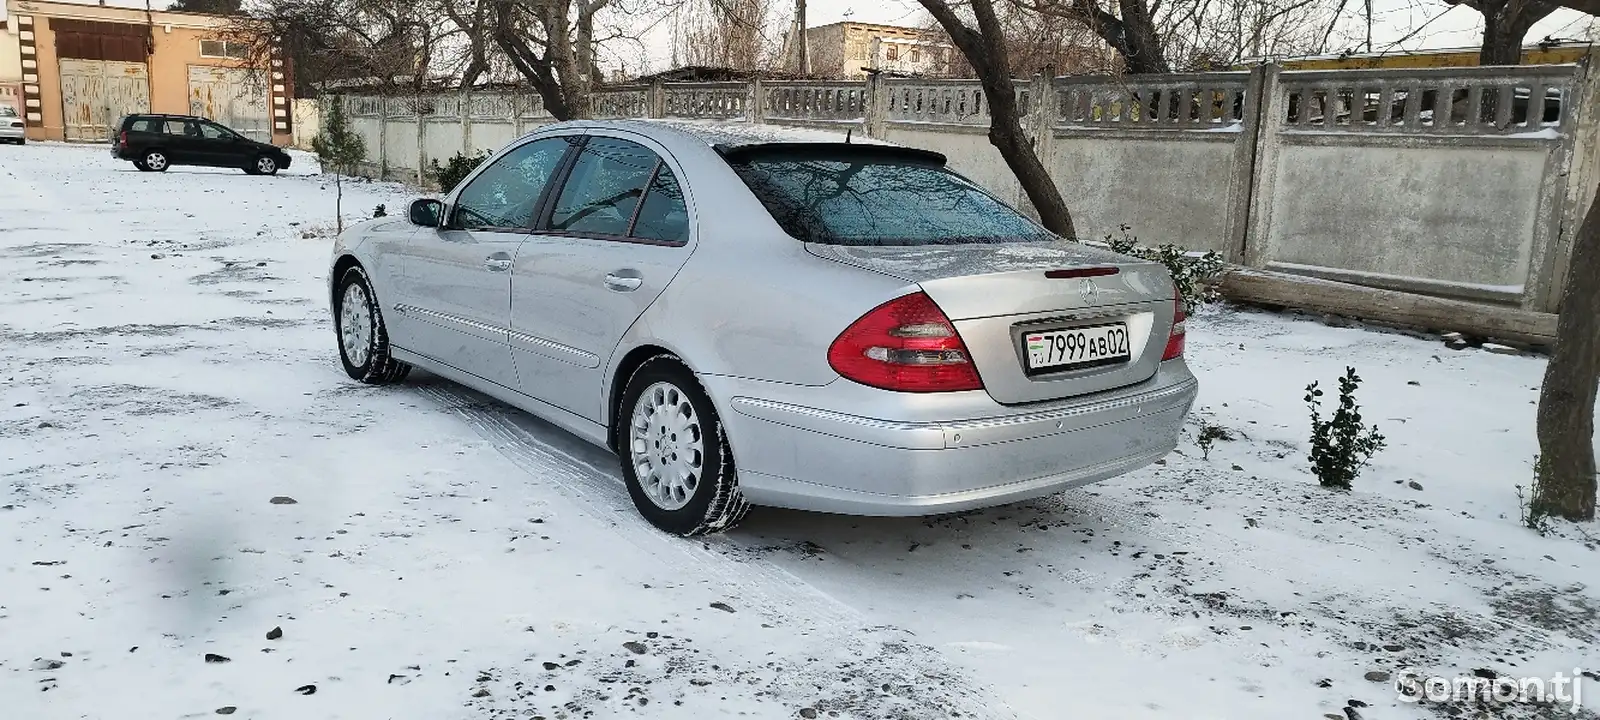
187	475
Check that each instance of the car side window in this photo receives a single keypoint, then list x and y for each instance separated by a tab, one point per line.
146	126
174	127
211	131
604	189
663	216
505	194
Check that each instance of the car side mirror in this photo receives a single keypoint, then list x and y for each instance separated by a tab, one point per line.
426	212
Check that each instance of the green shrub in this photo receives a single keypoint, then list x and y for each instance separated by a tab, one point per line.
1193	272
1342	444
456	169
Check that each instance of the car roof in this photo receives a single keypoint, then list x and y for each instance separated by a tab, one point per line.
729	137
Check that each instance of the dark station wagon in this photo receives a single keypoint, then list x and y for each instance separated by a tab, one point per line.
155	142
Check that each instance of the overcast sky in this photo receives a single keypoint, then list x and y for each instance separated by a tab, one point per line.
1393	20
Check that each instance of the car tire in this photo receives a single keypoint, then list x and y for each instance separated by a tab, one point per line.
263	165
156	161
666	426
363	339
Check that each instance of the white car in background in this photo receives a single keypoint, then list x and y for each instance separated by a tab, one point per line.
11	126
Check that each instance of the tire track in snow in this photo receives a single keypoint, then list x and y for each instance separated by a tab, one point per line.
897	677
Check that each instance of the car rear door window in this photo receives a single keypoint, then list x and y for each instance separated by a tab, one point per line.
662	216
603	190
868	198
507	192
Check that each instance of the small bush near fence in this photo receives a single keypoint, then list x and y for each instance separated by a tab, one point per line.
456	169
1342	444
1192	271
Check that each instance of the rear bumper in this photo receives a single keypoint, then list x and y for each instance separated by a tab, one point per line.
796	456
11	133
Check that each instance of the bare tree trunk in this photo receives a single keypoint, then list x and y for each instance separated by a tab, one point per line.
1502	39
1140	42
1566	483
985	50
1505	25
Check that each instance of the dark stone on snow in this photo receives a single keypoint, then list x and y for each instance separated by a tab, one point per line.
1377	676
275	633
306	689
635	647
215	658
226	710
283	500
722	606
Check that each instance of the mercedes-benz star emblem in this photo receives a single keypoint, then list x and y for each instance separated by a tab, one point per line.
1089	291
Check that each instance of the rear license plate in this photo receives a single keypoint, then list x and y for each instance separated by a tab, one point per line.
1077	347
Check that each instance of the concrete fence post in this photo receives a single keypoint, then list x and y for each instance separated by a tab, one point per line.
1042	117
1579	168
1241	181
1271	109
877	106
466	122
422	141
383	137
757	108
657	106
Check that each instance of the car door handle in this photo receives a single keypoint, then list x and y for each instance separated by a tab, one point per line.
496	264
621	283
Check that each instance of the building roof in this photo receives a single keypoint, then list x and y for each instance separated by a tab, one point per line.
734	134
116	13
869	26
708	73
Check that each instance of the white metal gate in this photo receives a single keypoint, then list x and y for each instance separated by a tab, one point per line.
97	93
231	97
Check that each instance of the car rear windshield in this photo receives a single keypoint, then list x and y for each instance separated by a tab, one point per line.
874	197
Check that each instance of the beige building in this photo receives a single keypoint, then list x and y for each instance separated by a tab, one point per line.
851	49
10	62
84	66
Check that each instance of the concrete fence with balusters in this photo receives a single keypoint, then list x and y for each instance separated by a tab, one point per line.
1459	183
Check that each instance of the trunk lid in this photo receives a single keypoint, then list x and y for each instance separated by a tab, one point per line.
1004	298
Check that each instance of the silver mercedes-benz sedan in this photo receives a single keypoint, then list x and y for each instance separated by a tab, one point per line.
758	315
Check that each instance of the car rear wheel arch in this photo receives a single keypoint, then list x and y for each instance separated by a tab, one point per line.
630	364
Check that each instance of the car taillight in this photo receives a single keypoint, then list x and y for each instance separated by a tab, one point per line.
907	345
1175	337
122	138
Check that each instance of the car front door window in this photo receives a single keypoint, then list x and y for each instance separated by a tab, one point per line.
505	195
215	132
